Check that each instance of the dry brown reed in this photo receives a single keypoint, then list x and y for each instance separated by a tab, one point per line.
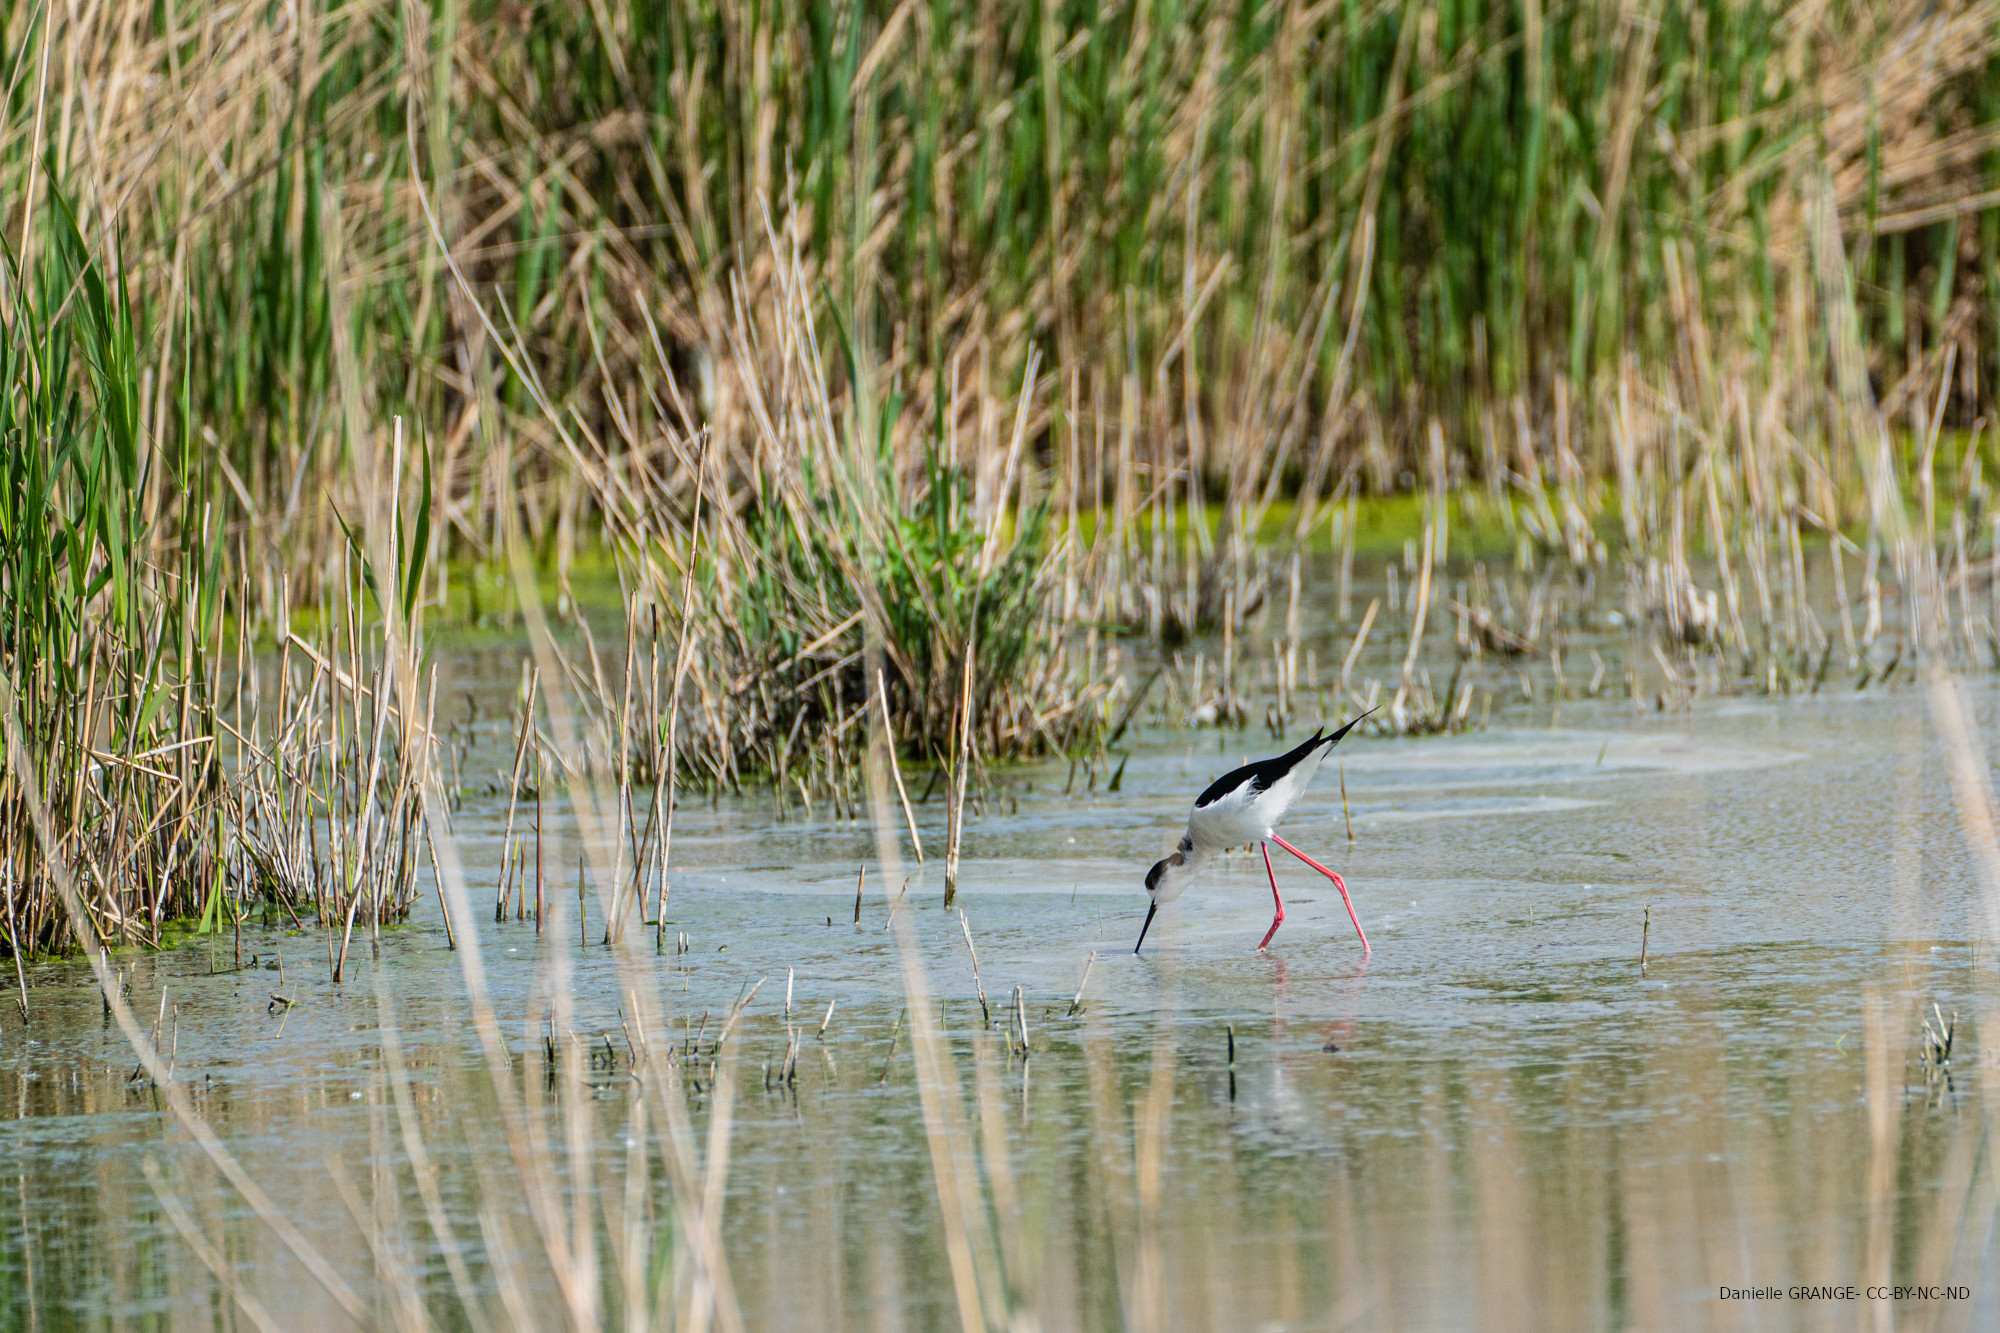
1296	308
811	410
919	539
327	808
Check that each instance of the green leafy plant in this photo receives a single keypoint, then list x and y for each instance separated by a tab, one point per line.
105	617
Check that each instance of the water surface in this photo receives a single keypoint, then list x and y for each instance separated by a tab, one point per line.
1496	1120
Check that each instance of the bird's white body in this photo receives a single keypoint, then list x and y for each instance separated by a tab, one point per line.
1240	816
1244	807
1238	809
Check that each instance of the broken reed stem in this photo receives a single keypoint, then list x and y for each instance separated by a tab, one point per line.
859	878
894	1032
962	763
681	661
985	1012
510	867
895	767
1077	1003
1360	638
541	780
430	841
729	1024
1345	812
437	882
1645	938
1423	605
20	952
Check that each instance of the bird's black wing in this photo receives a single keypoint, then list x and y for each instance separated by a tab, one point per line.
1260	775
1266	772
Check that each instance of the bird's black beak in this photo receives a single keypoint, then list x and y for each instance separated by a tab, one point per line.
1148	926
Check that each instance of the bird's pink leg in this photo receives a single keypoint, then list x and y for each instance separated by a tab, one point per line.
1279	919
1336	884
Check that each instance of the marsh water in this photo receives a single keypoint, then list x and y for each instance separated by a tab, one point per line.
1498	1119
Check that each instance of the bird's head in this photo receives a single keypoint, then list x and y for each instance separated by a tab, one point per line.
1164	883
1166	880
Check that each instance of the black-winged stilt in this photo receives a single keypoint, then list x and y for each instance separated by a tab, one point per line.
1244	807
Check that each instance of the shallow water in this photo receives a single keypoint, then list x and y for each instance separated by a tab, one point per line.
1495	1120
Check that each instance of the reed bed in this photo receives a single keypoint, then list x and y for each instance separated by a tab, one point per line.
950	385
326	807
978	363
822	576
1278	236
108	659
1263	259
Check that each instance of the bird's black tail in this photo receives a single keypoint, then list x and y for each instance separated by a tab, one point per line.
1341	735
1321	742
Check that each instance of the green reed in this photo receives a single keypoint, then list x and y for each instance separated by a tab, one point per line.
107	609
1603	262
1256	211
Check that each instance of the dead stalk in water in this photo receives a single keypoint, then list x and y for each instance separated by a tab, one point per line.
1360	639
1077	1003
986	1014
895	768
962	764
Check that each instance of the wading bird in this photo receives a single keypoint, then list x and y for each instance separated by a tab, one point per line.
1244	807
